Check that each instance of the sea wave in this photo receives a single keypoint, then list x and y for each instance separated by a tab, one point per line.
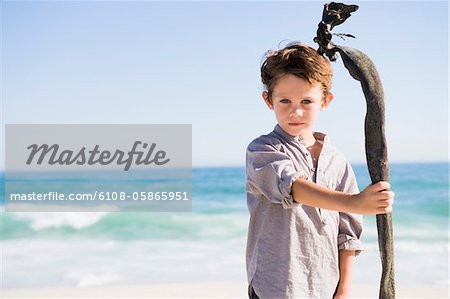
123	226
82	280
412	246
43	220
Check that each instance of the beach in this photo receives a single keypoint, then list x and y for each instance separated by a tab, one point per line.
206	290
177	87
201	254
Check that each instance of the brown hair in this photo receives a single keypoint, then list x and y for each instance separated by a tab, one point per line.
299	60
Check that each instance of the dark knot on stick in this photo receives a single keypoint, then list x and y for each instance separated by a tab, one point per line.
333	14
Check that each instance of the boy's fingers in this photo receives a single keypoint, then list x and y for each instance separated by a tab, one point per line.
386	203
384	210
380	186
386	195
384	185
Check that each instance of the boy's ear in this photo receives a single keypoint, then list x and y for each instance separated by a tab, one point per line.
327	100
265	96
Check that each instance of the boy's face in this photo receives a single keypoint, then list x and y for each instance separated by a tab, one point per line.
297	104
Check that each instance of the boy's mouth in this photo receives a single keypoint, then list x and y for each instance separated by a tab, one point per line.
296	124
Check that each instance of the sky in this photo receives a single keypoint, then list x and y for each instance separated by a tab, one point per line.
116	62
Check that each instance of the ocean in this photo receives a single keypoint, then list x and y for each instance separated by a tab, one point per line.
74	249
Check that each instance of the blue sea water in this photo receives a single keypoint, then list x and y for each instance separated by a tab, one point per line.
208	244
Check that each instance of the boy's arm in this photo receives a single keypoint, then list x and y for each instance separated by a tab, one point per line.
346	261
375	199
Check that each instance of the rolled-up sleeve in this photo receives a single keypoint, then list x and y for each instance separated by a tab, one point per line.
271	173
350	224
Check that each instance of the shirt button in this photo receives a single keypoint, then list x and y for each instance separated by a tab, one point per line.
307	154
324	221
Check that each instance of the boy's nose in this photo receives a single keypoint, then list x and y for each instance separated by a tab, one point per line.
298	112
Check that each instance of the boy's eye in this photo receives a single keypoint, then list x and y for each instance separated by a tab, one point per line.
306	101
285	101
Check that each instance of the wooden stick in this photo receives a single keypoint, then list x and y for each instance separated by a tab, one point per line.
361	68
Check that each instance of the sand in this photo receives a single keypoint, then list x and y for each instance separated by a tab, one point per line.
202	290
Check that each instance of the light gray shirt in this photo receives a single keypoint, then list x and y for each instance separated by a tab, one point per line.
292	249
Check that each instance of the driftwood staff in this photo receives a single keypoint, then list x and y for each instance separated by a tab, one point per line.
361	68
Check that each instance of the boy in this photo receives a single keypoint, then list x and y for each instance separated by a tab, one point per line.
299	245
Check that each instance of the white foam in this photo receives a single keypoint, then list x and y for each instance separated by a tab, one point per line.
92	280
412	246
76	220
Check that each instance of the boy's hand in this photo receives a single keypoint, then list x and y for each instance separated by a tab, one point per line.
374	199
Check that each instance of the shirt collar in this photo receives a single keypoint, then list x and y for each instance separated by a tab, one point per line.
321	137
288	137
